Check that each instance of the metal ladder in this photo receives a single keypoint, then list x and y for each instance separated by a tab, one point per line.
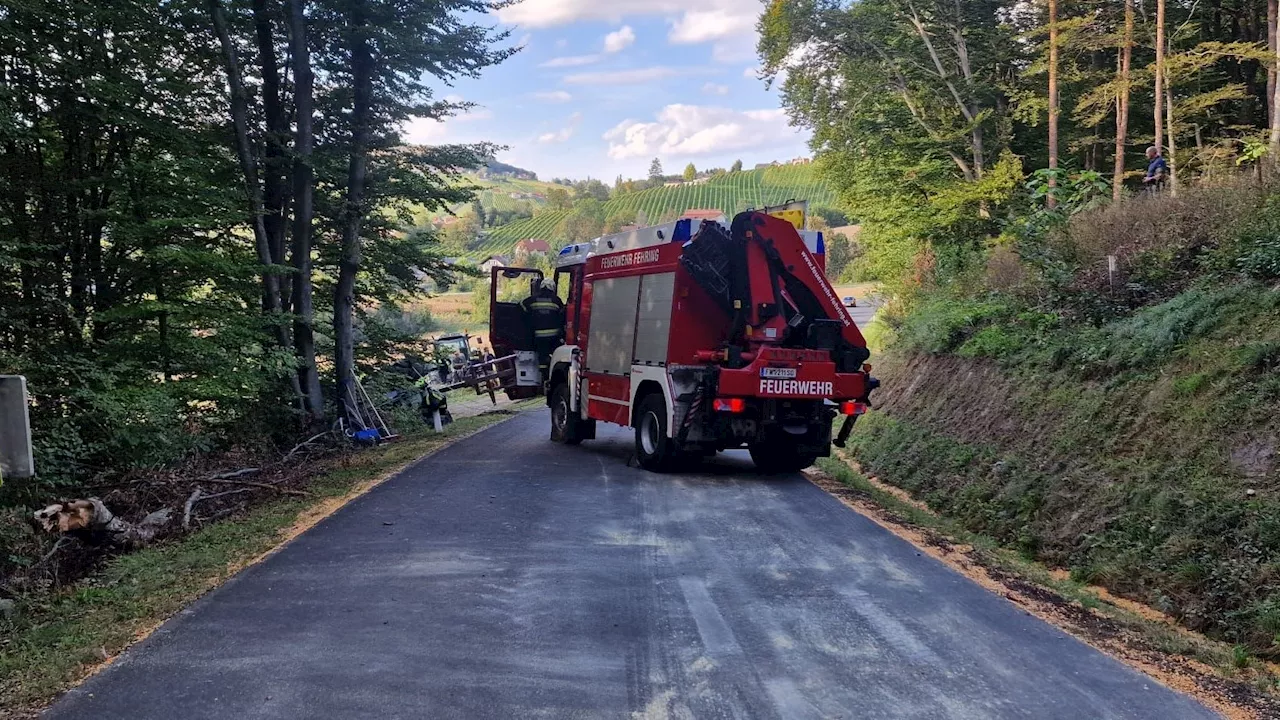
361	413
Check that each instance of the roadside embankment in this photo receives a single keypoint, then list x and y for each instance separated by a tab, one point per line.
1139	455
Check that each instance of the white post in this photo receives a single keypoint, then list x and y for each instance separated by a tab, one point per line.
15	429
435	420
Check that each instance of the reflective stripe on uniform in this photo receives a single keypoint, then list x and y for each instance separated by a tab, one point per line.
543	305
550	332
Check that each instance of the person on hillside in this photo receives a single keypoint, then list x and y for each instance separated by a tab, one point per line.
545	312
1157	170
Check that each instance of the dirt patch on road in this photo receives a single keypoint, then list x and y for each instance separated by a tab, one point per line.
1136	647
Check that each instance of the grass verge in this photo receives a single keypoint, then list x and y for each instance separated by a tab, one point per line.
52	641
1222	675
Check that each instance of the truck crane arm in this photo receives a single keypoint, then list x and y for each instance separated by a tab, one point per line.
762	274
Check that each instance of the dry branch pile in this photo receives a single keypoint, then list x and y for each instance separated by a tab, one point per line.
69	537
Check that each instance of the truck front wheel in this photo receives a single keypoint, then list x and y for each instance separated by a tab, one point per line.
780	455
654	450
566	426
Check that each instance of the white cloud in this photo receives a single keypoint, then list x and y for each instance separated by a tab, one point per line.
729	52
619	39
730	24
731	20
550	13
553	96
570	61
564	133
687	130
427	131
624	77
751	73
714	89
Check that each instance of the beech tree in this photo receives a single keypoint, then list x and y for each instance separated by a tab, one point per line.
172	225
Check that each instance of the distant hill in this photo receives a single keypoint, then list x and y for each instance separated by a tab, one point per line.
493	168
730	194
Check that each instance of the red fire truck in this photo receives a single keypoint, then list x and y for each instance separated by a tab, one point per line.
701	337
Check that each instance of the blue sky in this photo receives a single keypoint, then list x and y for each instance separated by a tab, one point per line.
604	86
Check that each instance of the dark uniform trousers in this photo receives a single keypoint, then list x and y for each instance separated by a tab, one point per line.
547	318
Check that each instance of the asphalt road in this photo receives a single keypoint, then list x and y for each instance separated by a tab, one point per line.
863	313
507	577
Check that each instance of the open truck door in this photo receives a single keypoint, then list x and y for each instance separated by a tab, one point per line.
510	331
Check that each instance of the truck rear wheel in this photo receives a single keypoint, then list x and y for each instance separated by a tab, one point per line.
780	455
654	450
566	426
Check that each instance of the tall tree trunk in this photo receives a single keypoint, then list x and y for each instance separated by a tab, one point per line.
249	168
1274	146
1172	141
274	161
353	212
1053	101
1273	14
1159	84
304	338
1122	103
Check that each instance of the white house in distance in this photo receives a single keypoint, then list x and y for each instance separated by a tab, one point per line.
493	261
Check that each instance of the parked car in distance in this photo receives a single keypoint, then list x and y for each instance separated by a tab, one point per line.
851	301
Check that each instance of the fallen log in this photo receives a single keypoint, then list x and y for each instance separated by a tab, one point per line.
93	523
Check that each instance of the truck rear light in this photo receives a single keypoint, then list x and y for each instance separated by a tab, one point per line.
730	405
853	408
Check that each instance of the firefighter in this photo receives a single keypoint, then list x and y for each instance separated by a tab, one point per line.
545	312
1157	170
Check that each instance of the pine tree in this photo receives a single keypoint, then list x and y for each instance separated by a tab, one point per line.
1122	102
1053	102
1159	84
655	172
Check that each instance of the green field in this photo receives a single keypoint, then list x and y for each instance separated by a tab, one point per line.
495	192
730	193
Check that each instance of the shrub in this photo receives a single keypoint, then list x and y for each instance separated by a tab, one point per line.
1256	250
944	325
1155	335
1205	216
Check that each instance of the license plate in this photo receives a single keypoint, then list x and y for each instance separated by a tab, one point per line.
778	373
